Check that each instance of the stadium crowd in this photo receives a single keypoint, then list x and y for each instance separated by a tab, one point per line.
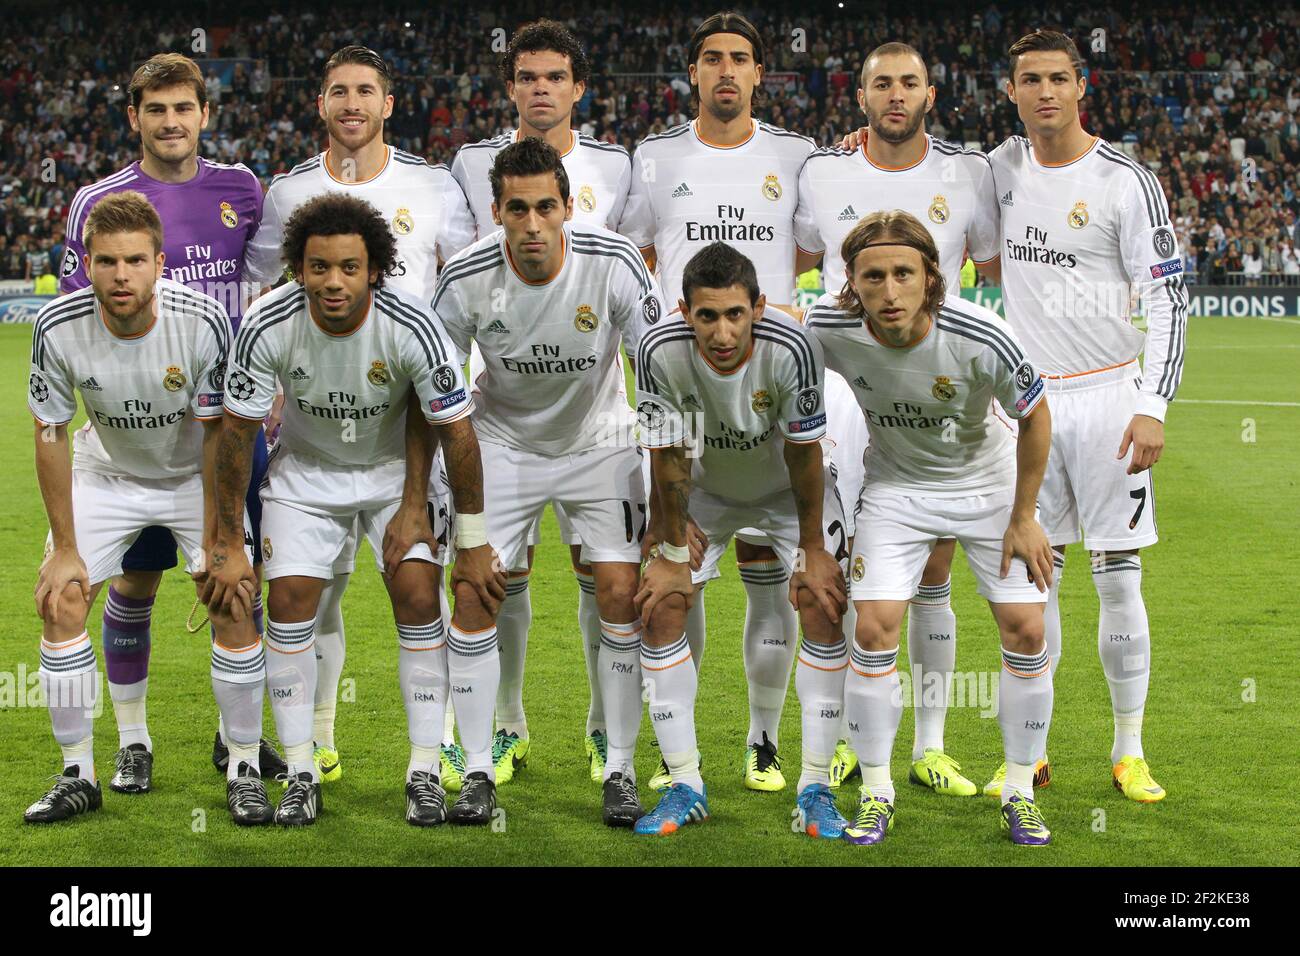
1210	100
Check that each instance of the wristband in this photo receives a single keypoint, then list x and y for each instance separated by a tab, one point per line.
471	531
674	552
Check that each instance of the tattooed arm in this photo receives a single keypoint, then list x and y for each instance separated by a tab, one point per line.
410	525
815	568
670	572
477	564
229	575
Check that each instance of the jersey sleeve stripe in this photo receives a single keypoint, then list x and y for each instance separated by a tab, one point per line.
1145	180
805	372
191	304
984	335
644	375
421	325
464	270
249	332
798	342
587	246
39	347
88	195
1172	375
984	327
63	309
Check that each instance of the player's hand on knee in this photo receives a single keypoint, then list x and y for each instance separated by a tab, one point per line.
1146	436
660	579
481	569
227	567
61	568
407	528
820	577
1026	540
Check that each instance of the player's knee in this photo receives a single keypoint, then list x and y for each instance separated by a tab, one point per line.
69	618
287	603
873	635
1025	635
416	606
619	591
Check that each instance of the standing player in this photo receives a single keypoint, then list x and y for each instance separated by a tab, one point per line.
347	352
148	356
426	212
1085	227
950	189
545	71
728	177
752	380
209	212
548	302
939	466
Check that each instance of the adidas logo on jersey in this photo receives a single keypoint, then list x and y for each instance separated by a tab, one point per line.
1006	199
91	385
682	191
298	374
496	325
861	383
848	215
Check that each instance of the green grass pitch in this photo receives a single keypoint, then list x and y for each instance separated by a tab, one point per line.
1222	718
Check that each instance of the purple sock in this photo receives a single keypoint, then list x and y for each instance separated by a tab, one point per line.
126	638
257	614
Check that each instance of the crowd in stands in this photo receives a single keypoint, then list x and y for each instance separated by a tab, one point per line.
1209	98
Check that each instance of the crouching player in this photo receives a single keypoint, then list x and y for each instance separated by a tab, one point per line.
939	466
729	400
346	350
148	356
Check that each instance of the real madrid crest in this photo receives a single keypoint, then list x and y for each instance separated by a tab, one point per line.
266	548
378	373
229	218
772	187
943	389
761	401
1078	217
859	568
403	222
586	199
585	320
174	380
939	213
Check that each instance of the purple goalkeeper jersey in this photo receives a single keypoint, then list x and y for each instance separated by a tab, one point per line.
207	222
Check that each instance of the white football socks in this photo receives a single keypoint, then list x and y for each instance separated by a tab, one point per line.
69	677
1025	715
422	675
1052	612
819	681
238	683
1124	643
620	689
589	626
672	682
513	621
771	636
474	669
695	629
331	651
932	653
291	685
873	698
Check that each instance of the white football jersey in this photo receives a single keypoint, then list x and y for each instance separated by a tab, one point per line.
345	395
847	436
950	189
143	394
599	177
738	421
422	204
1079	240
687	193
551	381
929	407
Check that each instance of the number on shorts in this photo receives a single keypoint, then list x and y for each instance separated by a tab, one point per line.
836	528
1140	495
627	522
